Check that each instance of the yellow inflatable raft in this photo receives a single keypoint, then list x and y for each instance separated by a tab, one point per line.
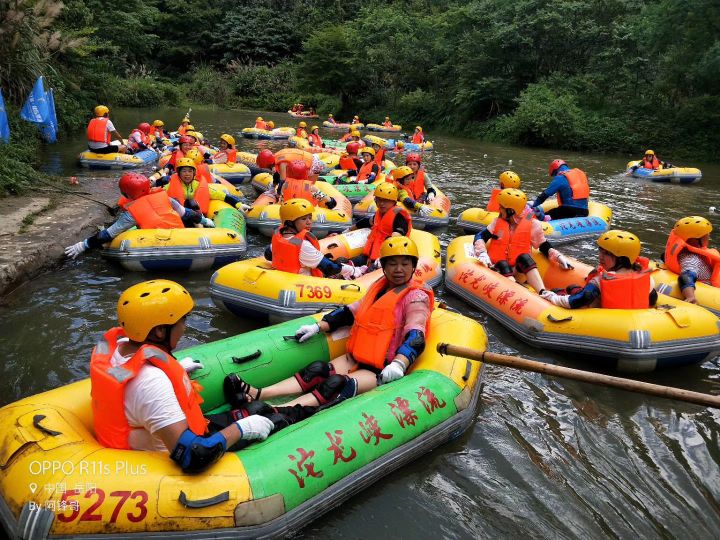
558	230
261	182
666	282
265	214
117	161
674	333
439	217
381	127
252	288
675	175
56	480
268	134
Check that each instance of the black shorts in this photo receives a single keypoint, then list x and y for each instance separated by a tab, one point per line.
110	149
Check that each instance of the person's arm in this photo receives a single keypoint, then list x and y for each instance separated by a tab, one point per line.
552	189
400	225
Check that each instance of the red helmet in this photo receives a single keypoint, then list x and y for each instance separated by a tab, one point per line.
265	159
555	165
297	169
352	147
134	185
186	139
413	157
145	127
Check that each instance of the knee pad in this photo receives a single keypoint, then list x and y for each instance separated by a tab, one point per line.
314	374
333	387
525	263
504	268
194	453
192	204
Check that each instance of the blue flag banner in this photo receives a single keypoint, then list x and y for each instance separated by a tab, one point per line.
4	126
50	127
39	109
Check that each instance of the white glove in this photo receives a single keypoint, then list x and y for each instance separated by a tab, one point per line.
564	263
189	364
207	222
392	372
75	250
484	259
556	299
243	207
425	211
430	197
318	195
349	271
255	427
307	331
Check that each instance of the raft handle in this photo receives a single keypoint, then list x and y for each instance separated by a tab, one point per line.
452	258
348	285
468	368
332	246
247	357
36	422
553	319
203	503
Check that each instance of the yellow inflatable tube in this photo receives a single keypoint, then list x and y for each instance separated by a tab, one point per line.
666	282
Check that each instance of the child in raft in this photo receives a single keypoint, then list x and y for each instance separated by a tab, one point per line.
622	281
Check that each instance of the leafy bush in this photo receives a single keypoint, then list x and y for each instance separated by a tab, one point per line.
210	86
17	158
142	92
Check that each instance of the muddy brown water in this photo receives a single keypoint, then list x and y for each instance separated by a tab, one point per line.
545	458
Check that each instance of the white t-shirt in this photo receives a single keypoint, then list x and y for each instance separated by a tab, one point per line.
150	404
310	257
109	127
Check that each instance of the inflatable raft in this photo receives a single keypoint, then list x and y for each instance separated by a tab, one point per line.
252	288
302	115
666	282
675	175
559	230
342	125
56	480
411	147
379	127
265	213
440	206
268	134
354	192
235	173
182	249
674	333
117	161
261	182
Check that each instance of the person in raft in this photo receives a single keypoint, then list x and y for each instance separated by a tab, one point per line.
295	249
260	123
331	119
314	138
388	328
651	161
418	136
622	281
422	182
369	169
410	194
687	253
143	398
572	190
195	193
140	139
387	123
100	133
301	130
349	161
158	131
184	126
349	135
227	153
507	242
508	180
144	208
355	120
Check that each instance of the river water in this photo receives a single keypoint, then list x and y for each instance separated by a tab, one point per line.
545	458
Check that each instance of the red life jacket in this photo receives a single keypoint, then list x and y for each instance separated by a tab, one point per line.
294	188
286	251
418	138
177	154
97	130
182	130
348	163
315	140
153	211
653	163
379	156
366	170
201	195
493	205
509	245
417	186
108	386
144	139
376	321
675	245
629	290
260	124
382	229
578	184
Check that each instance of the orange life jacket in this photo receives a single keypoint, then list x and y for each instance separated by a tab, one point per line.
629	290
675	245
578	184
260	124
145	139
153	211
286	251
345	137
97	130
108	385
379	156
653	163
182	130
293	188
315	140
366	170
177	154
417	186
201	195
348	163
302	133
288	155
376	321
493	205
230	154
388	123
509	245
418	138
381	230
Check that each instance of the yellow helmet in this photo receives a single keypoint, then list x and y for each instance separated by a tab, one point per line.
314	128
692	227
400	144
270	124
292	209
199	136
190	127
193	134
419	128
387	118
259	119
228	139
186	119
185	162
355	133
195	155
146	305
512	199
158	123
386	190
401	172
302	125
509	179
101	110
620	244
649	153
356	117
367	150
330	115
398	245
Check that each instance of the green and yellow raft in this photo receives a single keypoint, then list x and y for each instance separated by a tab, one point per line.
57	480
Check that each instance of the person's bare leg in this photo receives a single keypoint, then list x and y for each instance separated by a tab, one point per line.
534	279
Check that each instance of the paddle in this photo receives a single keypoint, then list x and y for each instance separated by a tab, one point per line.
580	375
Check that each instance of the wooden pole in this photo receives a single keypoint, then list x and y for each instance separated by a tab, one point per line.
517	362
